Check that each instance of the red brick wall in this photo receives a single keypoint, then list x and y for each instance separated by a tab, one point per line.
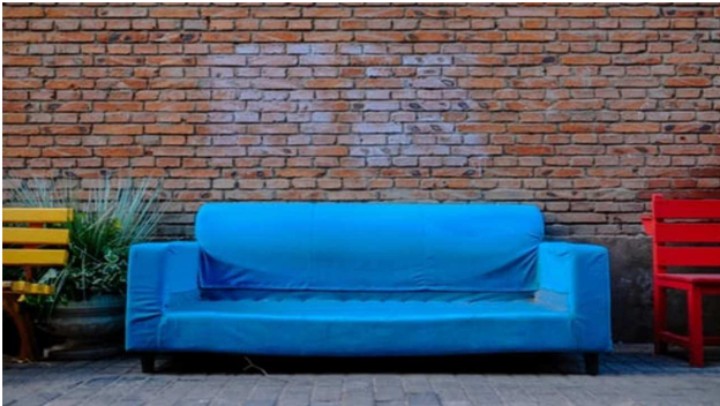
584	110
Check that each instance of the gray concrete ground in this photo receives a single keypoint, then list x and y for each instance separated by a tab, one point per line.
630	376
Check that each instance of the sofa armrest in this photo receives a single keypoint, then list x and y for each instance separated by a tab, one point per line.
155	271
579	273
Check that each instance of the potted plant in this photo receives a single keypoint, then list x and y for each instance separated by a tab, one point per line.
87	309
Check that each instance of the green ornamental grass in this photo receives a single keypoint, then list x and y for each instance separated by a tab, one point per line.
108	219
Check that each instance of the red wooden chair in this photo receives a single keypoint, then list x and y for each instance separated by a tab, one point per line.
686	233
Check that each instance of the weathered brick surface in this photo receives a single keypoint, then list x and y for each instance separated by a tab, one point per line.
584	110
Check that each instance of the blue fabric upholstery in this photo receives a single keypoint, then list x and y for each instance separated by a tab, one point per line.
368	246
368	279
374	327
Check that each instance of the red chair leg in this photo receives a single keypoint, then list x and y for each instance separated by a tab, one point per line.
660	314
695	327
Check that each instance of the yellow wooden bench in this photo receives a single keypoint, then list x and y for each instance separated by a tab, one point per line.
31	245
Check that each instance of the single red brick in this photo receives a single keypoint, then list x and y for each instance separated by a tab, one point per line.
685	149
632	104
163	129
69	12
352	173
327	12
276	36
79	36
530	150
125	151
525	105
429	36
276	12
22	12
532	11
480	12
481	83
581	218
328	84
581	12
530	36
14	118
21	84
59	152
171	60
65	84
681	59
481	128
635	127
633	36
531	128
379	36
637	59
22	36
69	107
324	151
688	81
117	129
534	23
225	12
15	60
122	37
174	12
381	83
378	12
523	60
640	11
582	36
123	12
299	172
480	36
330	36
581	59
118	106
347	24
233	37
119	60
21	152
579	104
585	82
375	60
222	60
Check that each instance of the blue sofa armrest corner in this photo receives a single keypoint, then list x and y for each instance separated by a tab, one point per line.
155	271
579	273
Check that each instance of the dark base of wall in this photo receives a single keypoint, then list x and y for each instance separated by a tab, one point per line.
631	285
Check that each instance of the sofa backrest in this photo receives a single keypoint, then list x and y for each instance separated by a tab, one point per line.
369	247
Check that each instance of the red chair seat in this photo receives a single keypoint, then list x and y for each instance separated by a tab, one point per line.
691	278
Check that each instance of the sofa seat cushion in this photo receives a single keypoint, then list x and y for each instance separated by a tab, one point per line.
277	326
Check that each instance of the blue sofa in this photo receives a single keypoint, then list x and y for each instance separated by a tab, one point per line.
368	279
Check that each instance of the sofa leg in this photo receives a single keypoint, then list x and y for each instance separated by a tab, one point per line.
147	361
592	363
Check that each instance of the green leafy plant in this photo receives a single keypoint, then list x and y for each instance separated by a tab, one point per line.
107	220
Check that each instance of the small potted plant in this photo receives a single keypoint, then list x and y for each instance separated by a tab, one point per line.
87	309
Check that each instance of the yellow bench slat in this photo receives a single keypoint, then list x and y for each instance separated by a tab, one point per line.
27	288
35	236
36	215
34	257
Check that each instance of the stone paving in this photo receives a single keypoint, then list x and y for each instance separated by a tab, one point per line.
630	376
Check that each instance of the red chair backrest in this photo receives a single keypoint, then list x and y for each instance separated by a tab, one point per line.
685	232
